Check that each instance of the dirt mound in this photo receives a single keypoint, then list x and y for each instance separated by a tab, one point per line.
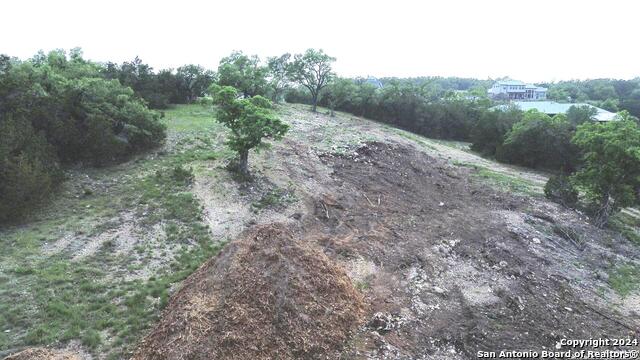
42	354
267	295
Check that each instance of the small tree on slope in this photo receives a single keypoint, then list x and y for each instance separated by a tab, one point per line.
250	121
610	176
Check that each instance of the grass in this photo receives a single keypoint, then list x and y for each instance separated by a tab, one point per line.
625	279
274	198
501	181
627	225
50	298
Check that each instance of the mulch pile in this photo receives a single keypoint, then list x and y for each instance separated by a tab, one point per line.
42	354
267	295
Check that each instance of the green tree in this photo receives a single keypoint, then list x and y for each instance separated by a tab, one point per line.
577	115
488	134
540	141
313	71
278	75
193	81
243	73
338	93
610	176
250	121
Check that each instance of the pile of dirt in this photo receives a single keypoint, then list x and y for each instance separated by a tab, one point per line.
267	295
42	354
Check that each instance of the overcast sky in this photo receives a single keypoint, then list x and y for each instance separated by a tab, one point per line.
537	40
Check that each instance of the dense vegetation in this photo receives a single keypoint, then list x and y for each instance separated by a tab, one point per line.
161	89
609	94
58	109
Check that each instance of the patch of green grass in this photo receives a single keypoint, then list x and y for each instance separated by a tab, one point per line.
413	137
274	198
501	181
626	225
625	279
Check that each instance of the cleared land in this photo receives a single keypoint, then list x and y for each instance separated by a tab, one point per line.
436	252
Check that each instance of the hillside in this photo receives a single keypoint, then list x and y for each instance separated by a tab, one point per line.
354	240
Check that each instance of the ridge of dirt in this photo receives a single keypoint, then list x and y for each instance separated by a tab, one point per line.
267	295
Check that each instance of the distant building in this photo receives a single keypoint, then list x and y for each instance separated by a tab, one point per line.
517	90
552	108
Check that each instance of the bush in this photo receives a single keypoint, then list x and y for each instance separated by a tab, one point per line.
28	168
182	175
559	189
84	117
55	108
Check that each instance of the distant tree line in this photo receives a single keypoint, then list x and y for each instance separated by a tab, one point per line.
609	94
599	161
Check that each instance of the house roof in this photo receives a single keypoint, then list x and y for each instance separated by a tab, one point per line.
510	82
553	108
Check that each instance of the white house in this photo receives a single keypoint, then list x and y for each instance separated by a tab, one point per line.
517	90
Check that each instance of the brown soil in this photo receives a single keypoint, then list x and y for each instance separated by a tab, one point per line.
455	275
447	267
267	295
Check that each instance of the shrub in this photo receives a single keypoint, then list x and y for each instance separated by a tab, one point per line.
28	167
181	175
559	189
55	108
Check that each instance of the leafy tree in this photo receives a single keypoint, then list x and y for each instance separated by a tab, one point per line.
243	73
488	134
313	71
577	115
338	93
277	77
250	121
193	81
540	141
610	176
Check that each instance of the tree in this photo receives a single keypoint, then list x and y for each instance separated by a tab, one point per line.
250	121
488	134
277	76
193	81
339	92
577	115
313	71
540	141
610	176
243	73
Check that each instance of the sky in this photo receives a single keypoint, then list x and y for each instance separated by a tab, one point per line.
533	41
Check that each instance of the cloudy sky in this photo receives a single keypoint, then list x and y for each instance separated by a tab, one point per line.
537	40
